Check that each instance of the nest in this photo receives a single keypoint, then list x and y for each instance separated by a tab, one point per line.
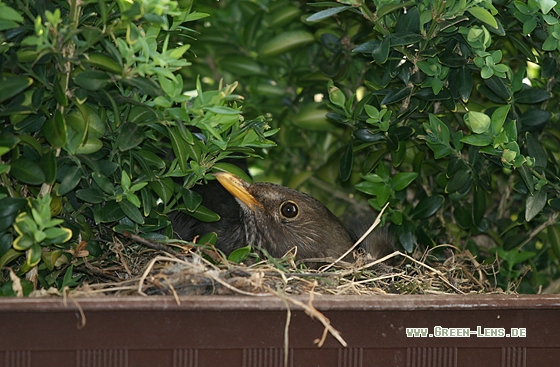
134	265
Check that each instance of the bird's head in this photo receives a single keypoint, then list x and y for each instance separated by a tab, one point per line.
278	218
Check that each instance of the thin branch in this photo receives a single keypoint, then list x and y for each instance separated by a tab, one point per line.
373	226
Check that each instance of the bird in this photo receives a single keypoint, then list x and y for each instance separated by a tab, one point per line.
275	218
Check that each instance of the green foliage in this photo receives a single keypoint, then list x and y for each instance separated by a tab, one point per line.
443	109
99	129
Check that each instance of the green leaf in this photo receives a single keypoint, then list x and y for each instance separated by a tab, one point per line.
478	122
383	194
397	218
406	236
511	130
396	95
527	178
438	137
427	207
553	238
409	22
286	41
92	80
407	40
514	257
367	136
459	180
164	188
133	199
486	72
550	44
479	205
534	119
367	47
532	95
149	86
536	150
242	66
56	235
130	136
90	146
222	110
180	148
464	82
204	214
498	119
451	59
240	254
131	211
208	239
109	212
326	13
483	15
49	165
55	130
336	96
546	5
463	216
522	46
9	256
401	180
233	169
178	52
27	171
125	180
138	186
9	14
91	195
70	181
381	52
497	86
9	209
151	159
11	86
346	163
6	240
23	242
389	8
191	199
529	26
69	280
50	257
535	204
369	188
477	140
104	183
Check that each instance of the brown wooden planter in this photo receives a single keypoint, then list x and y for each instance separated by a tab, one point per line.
249	331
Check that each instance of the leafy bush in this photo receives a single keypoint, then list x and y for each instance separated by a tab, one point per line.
93	105
444	110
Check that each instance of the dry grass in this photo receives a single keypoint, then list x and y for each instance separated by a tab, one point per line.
179	268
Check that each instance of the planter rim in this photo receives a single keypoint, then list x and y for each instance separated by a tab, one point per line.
272	303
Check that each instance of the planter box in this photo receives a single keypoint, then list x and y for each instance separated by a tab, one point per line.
249	331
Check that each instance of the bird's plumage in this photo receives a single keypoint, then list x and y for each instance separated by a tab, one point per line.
269	216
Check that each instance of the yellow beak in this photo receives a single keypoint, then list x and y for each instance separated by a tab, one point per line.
238	188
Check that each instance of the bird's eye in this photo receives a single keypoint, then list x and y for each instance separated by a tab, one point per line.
289	209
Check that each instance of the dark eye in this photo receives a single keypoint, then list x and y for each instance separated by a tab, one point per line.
289	209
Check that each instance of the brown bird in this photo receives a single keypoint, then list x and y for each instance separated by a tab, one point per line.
277	219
